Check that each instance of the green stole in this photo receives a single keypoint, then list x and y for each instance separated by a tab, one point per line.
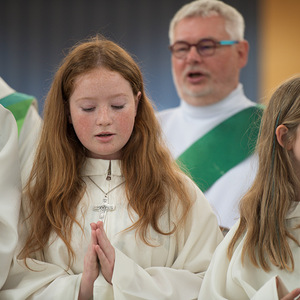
222	148
18	104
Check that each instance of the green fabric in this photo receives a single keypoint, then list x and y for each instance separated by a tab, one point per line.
222	148
18	104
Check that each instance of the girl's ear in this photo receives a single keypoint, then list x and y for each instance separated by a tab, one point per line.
281	135
137	100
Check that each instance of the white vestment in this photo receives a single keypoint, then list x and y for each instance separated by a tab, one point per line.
185	124
173	269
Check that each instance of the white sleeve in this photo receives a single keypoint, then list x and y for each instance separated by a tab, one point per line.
40	280
267	291
130	281
10	190
45	281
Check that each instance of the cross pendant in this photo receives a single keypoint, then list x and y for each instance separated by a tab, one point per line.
104	208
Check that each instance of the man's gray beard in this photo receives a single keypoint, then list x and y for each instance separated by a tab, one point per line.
195	94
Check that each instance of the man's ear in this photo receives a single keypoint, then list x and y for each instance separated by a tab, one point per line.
281	135
243	51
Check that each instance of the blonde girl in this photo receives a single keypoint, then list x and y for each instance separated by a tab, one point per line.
260	258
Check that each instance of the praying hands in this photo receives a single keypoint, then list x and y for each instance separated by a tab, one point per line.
105	252
100	255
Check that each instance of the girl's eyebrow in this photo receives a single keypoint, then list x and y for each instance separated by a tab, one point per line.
109	97
118	95
84	98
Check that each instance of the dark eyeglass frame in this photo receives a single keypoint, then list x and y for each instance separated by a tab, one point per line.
200	47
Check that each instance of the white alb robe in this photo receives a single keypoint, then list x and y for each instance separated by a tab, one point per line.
172	270
185	124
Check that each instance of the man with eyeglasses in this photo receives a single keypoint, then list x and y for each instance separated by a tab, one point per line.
212	133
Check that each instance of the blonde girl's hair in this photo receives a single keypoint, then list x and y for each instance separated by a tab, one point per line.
264	207
55	186
234	21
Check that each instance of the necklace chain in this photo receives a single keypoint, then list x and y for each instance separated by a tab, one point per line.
104	207
105	193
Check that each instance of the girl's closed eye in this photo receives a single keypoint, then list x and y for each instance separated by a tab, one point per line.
88	109
117	106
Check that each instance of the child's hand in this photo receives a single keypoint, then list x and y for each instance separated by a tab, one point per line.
90	267
283	293
105	252
293	295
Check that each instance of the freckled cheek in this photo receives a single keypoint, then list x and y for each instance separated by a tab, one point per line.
126	124
82	126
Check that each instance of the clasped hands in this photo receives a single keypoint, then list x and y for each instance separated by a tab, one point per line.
100	254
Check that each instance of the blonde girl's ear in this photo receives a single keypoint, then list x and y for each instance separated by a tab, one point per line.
281	135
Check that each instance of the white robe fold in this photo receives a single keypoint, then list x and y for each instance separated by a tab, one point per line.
29	134
10	190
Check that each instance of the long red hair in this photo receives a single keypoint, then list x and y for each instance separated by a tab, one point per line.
55	186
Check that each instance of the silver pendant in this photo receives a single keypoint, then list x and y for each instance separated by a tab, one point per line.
104	208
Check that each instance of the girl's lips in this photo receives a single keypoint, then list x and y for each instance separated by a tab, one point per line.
104	134
104	137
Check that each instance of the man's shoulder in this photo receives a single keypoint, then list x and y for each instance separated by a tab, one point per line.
168	111
167	117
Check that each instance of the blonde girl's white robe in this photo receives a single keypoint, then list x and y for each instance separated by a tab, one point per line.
231	280
174	269
10	190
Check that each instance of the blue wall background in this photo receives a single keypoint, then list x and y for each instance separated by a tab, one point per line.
35	34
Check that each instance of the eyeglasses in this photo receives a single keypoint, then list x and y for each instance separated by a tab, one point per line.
205	47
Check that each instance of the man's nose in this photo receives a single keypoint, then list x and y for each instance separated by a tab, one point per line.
193	55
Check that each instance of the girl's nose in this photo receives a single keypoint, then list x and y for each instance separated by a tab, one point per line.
103	117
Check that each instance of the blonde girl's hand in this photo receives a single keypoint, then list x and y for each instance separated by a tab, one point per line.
91	267
293	295
105	252
283	294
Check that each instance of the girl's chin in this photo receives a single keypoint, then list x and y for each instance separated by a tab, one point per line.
110	156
